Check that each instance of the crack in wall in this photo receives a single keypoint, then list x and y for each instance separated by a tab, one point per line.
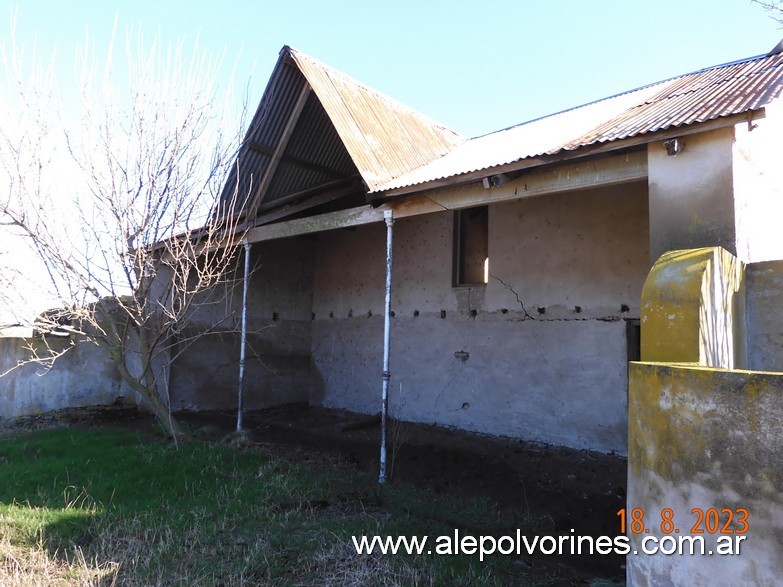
527	315
597	319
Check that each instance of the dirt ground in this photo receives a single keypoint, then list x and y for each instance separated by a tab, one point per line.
561	489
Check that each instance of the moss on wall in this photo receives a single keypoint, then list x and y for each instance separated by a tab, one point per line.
692	309
706	438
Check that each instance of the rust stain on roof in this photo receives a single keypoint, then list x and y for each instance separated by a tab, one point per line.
384	138
316	127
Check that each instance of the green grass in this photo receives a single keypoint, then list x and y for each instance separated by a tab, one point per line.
102	507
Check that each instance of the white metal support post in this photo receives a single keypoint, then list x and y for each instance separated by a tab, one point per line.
243	338
387	215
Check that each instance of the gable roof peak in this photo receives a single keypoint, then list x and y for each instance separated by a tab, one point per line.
385	138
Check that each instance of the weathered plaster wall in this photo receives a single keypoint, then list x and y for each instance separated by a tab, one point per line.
758	187
723	189
693	309
538	353
83	376
706	438
691	194
279	370
764	286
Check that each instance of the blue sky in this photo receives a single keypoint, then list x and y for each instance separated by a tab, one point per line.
474	66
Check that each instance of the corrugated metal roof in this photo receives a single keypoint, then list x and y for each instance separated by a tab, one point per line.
384	137
704	95
343	129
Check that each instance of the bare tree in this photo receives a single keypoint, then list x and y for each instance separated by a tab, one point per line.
773	7
121	210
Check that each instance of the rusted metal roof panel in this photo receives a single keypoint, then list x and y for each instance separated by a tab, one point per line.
696	97
344	129
384	138
701	96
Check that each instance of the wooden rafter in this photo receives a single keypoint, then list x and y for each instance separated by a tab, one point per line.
277	154
296	161
329	195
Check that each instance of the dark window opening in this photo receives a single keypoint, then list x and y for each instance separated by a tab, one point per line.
471	248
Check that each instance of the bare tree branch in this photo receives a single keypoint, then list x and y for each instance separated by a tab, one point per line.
119	211
773	7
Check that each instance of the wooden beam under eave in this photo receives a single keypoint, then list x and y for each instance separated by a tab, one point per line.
312	224
549	179
277	154
604	172
311	202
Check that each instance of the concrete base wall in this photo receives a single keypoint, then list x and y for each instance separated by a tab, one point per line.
495	374
538	353
706	438
83	376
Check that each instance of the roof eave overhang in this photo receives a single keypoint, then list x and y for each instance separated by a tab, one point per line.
568	155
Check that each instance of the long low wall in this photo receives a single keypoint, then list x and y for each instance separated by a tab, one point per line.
704	438
82	376
494	374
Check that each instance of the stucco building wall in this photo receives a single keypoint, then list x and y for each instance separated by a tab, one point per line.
205	371
723	189
758	187
538	353
691	194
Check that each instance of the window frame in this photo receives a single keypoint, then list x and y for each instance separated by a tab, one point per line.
459	246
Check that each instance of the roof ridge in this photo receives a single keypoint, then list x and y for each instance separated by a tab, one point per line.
626	92
396	103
